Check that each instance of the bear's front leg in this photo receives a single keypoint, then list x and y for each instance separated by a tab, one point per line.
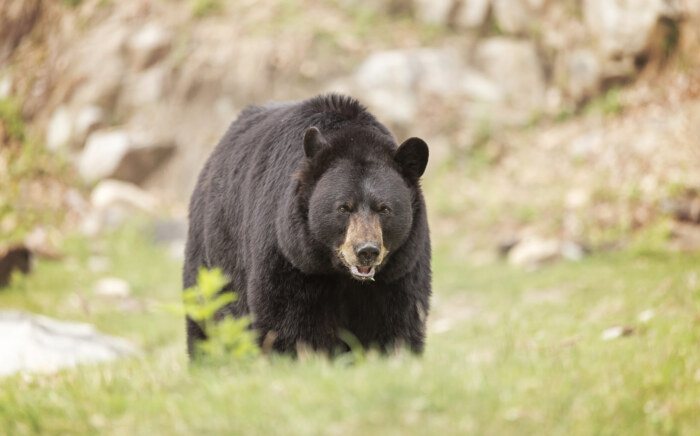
291	310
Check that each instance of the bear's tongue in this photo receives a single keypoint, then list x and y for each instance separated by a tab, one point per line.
364	269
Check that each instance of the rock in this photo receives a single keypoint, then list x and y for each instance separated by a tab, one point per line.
5	86
60	129
145	88
433	11
572	251
646	315
143	158
514	65
474	85
393	82
102	154
36	343
513	16
625	27
581	74
17	258
534	252
616	332
88	120
471	14
113	203
121	195
118	154
148	46
387	80
112	287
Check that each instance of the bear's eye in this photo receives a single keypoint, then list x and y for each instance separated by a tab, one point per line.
344	208
384	210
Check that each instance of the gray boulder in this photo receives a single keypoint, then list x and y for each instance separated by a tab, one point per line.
394	82
471	14
515	66
121	155
35	343
60	129
579	73
626	27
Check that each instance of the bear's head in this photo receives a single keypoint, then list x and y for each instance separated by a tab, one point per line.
360	196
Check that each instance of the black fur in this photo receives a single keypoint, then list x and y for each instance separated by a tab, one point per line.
263	211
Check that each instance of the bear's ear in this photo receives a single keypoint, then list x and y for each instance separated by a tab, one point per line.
313	142
412	156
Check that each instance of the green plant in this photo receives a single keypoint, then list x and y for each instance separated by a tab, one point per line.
72	3
608	104
11	120
201	8
228	338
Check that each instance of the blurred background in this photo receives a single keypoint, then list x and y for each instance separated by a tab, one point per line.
562	122
559	130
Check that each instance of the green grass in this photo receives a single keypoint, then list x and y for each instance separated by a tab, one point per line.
509	352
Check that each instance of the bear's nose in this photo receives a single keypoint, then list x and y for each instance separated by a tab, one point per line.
367	253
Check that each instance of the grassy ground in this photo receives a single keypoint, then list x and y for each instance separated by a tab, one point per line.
509	352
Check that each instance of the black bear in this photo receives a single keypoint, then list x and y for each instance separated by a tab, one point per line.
317	217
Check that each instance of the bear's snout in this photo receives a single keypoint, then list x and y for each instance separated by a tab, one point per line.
367	253
363	249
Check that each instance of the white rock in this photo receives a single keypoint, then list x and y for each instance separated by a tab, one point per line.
33	343
102	154
472	13
387	82
121	155
582	74
115	193
616	332
533	252
145	88
113	202
624	27
60	129
513	16
514	65
5	86
112	287
88	120
391	82
474	85
646	315
433	11
391	68
148	46
572	251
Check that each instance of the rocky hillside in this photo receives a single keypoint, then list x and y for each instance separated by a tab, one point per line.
574	120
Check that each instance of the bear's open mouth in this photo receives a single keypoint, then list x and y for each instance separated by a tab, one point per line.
362	272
